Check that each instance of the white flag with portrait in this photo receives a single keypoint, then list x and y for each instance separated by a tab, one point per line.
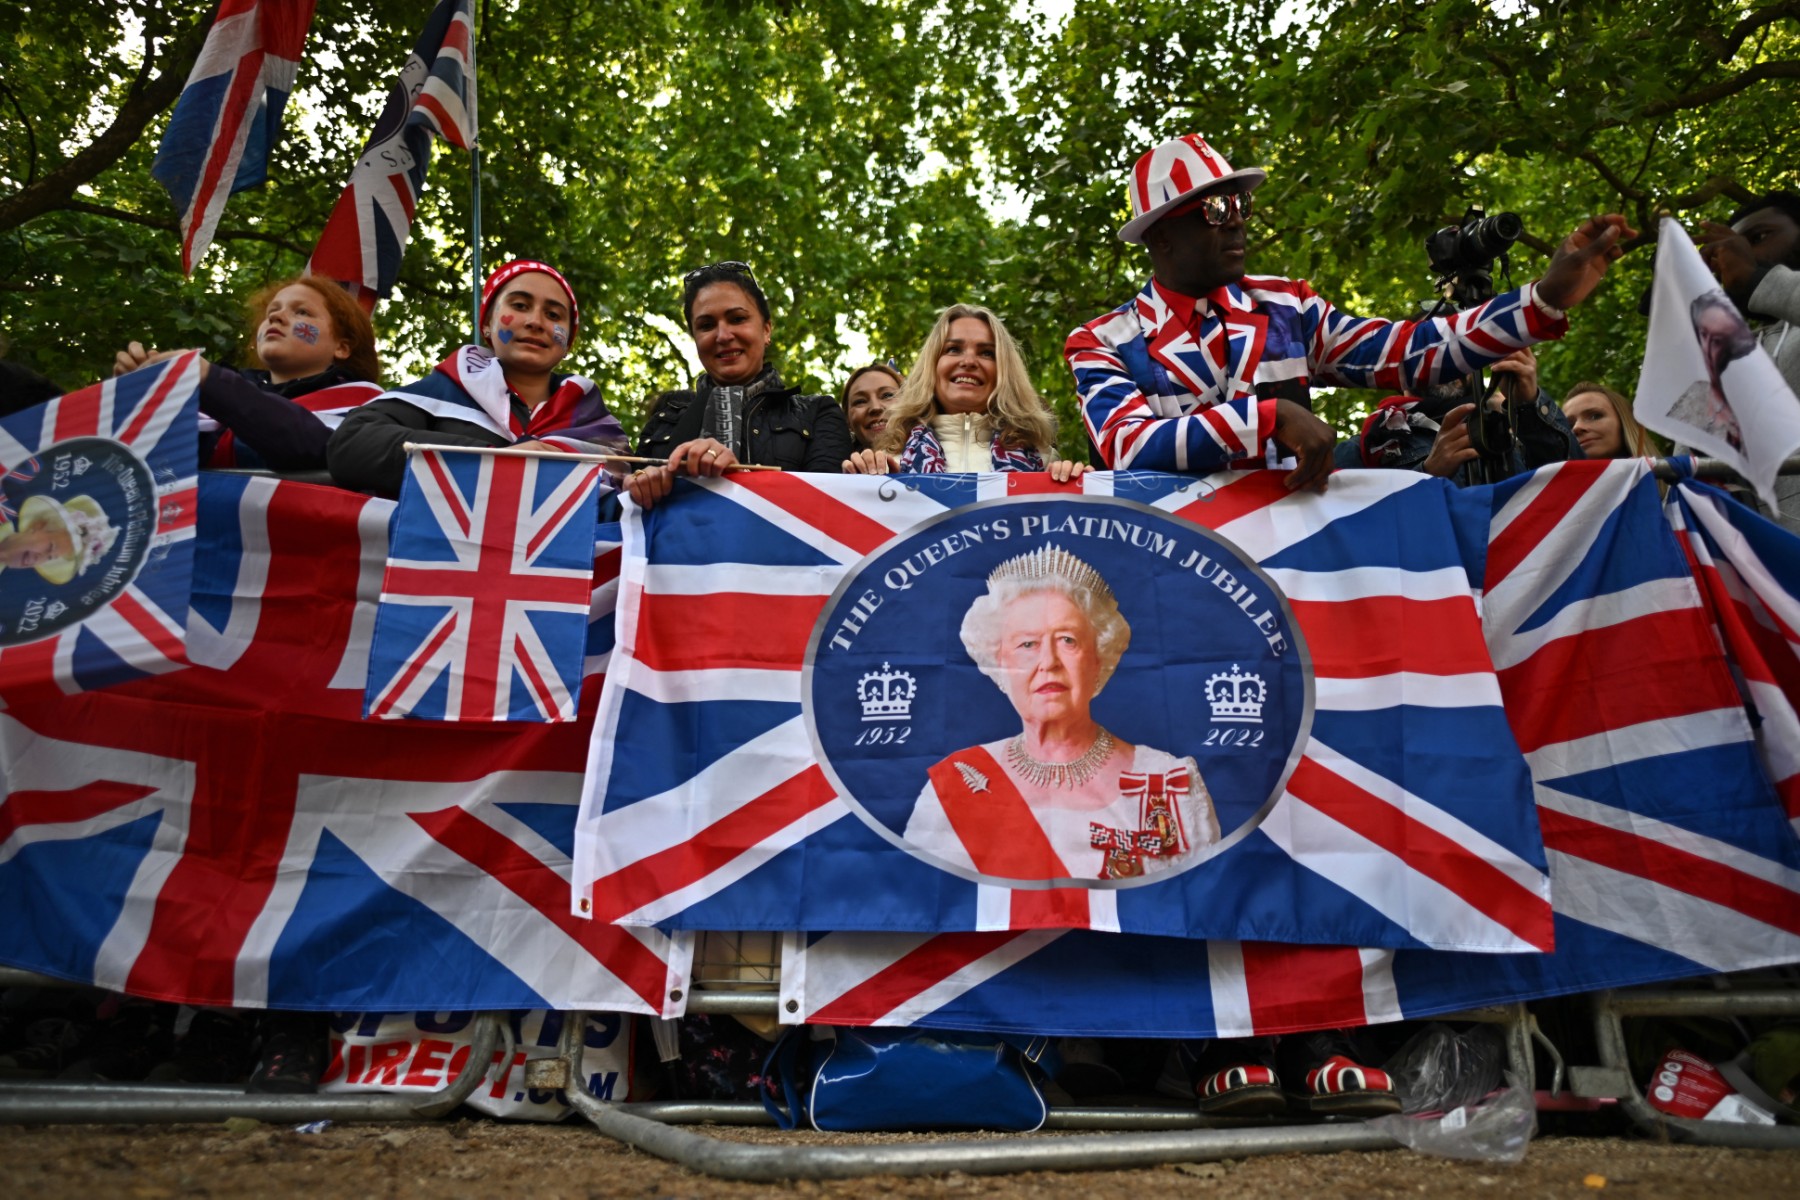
1706	382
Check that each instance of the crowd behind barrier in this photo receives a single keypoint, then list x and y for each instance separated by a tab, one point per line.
1208	367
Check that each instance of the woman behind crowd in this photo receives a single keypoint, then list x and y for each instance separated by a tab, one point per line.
739	410
966	405
866	397
1603	423
506	393
312	355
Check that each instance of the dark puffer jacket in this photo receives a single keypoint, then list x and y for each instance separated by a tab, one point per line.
782	427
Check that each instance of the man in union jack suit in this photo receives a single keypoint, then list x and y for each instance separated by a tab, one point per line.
1206	364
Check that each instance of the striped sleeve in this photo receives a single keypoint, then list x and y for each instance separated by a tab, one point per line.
1369	352
1129	432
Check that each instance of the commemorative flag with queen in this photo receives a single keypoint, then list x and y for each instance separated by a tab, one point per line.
1142	703
97	509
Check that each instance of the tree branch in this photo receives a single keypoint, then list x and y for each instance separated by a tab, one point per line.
1718	185
222	235
145	99
1725	48
1714	92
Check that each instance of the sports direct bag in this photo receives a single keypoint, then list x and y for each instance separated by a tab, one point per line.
865	1080
422	1052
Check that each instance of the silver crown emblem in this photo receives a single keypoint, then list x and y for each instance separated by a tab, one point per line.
82	464
886	695
1237	697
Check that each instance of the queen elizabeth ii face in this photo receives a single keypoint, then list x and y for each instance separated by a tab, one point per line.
1051	656
39	542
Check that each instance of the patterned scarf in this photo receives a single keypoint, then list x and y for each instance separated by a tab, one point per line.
923	454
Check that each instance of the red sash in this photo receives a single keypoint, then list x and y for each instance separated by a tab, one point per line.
1004	839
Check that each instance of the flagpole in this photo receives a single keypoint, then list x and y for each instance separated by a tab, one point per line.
474	190
561	455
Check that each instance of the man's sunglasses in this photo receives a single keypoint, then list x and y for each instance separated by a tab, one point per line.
730	264
1215	208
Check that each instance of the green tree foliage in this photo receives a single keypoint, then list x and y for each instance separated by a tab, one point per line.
877	159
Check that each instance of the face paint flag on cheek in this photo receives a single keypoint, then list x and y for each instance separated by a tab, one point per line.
560	334
307	332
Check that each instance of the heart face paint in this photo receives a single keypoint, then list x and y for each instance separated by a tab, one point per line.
506	335
307	332
560	335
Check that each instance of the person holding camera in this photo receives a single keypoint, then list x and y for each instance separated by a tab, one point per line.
1203	367
1526	429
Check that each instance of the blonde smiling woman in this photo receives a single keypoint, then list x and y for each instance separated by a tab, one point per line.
966	405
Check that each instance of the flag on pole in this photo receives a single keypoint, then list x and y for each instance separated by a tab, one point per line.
1706	382
228	117
490	582
434	93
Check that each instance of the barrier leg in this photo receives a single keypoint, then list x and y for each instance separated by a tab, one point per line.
1609	1031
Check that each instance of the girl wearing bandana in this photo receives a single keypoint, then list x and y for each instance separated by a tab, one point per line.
504	393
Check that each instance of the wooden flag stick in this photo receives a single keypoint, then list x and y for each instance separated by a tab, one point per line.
509	452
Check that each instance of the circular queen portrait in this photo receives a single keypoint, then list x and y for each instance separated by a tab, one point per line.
1121	730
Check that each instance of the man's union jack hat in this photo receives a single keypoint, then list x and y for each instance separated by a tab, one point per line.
1175	171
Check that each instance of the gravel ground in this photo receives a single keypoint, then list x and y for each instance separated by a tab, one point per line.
458	1159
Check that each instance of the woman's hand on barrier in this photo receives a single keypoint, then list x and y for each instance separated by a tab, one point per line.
649	485
702	456
1065	470
136	355
1310	439
1451	448
871	462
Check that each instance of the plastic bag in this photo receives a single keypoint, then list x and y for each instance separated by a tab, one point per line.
1439	1069
1498	1130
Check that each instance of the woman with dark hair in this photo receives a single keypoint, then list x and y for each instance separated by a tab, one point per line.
966	405
739	410
312	361
506	393
866	397
1603	423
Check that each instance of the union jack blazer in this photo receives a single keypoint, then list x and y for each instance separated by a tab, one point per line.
1158	397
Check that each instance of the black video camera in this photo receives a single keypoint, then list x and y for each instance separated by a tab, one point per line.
1463	257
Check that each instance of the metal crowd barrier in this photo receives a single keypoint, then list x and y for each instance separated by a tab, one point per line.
1715	996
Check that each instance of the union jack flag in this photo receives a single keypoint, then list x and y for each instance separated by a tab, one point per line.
382	867
490	582
1749	569
228	117
1406	821
1669	855
112	468
434	93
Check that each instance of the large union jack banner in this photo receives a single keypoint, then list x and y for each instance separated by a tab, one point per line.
1317	747
484	607
1669	852
237	834
97	508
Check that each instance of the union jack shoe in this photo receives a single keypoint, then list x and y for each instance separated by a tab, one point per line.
1248	1090
1339	1087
